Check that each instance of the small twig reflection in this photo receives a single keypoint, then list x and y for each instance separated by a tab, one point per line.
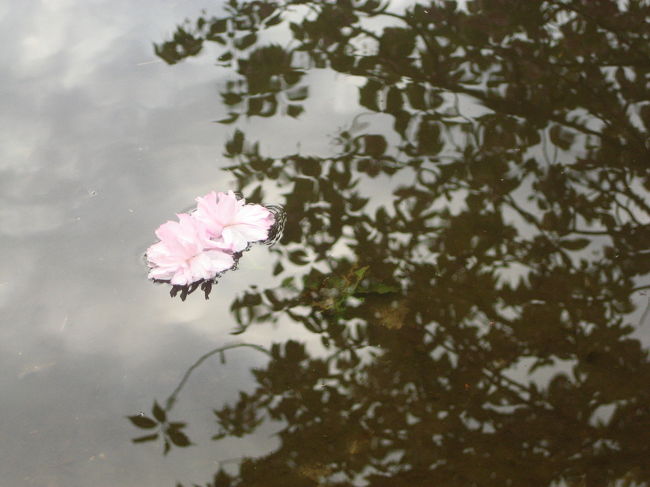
171	400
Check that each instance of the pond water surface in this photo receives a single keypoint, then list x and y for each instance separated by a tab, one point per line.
460	295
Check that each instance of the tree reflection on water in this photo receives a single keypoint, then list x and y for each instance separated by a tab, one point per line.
516	238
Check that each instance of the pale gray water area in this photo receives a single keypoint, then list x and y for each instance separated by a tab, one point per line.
465	258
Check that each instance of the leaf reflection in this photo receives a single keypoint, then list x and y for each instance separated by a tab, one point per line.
514	242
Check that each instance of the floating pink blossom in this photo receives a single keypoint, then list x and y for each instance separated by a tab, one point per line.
185	253
232	221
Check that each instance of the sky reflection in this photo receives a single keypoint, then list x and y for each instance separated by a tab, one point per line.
99	141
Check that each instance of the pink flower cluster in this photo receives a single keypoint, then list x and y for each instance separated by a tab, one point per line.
201	244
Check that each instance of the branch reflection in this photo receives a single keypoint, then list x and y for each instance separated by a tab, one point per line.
510	250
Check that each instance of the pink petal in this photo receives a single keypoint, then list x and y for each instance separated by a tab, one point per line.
220	261
234	239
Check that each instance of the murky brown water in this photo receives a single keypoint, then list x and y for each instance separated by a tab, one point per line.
460	296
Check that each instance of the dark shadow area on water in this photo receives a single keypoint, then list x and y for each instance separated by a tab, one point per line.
476	329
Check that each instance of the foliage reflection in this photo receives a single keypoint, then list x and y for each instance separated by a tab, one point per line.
512	245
